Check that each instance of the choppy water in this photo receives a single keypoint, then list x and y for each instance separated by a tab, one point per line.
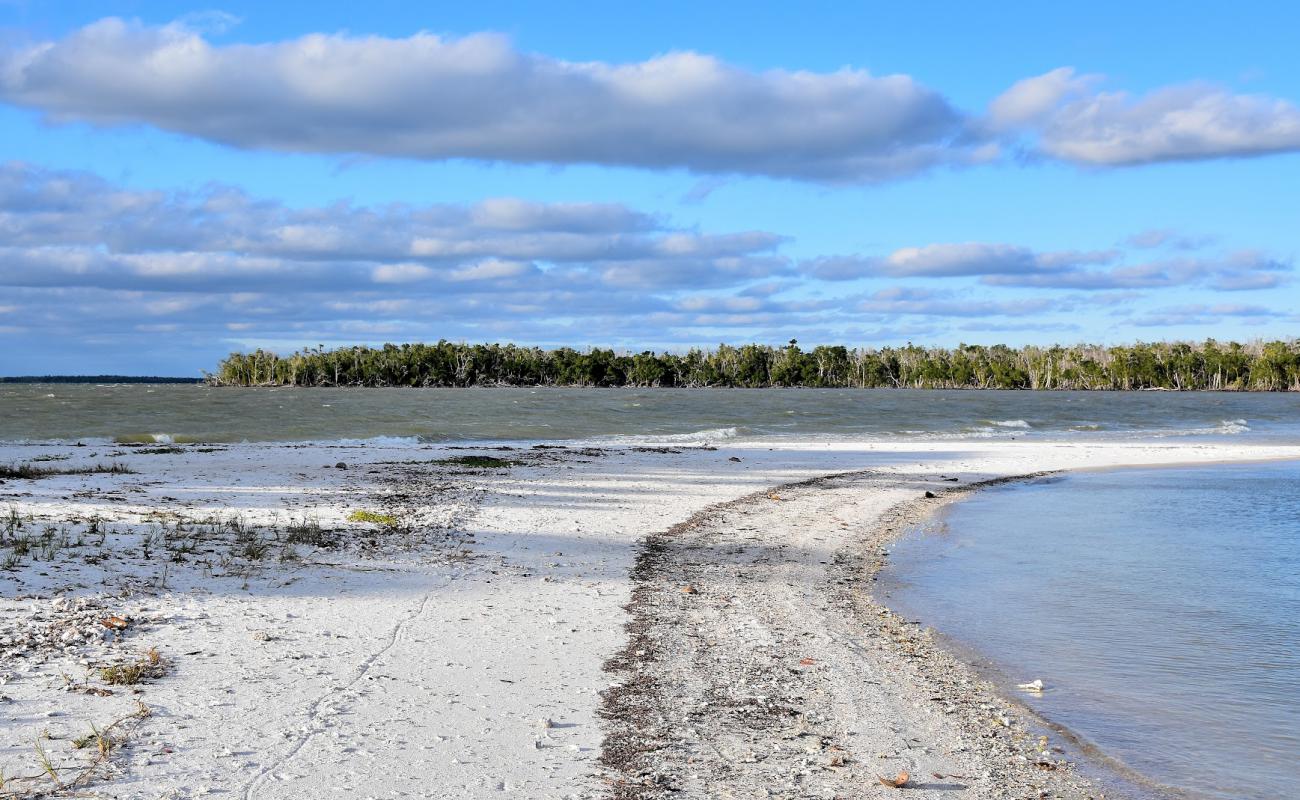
1160	607
200	413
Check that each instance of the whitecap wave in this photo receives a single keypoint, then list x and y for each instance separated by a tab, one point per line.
1012	423
1226	427
372	441
154	438
695	437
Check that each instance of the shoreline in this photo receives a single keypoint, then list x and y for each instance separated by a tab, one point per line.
491	608
1092	761
1095	759
967	689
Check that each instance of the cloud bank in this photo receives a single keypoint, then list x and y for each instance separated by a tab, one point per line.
68	229
87	266
478	97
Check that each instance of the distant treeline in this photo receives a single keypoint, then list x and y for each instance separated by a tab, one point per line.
96	379
1262	366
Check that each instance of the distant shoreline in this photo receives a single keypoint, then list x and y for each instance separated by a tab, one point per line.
96	379
146	380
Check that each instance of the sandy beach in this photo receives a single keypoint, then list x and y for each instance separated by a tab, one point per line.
532	621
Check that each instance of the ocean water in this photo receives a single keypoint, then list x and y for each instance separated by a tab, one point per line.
1161	608
199	413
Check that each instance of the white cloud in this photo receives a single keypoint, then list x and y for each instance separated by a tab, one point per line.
953	260
401	273
1030	100
477	97
492	269
1064	119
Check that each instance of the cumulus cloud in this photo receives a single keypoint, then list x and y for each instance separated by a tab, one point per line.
1066	119
953	260
1031	100
477	97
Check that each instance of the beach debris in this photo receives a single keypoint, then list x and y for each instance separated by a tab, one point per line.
735	458
807	662
1034	686
114	623
688	589
896	782
774	496
341	465
930	495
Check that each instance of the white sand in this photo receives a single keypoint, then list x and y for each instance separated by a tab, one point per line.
415	673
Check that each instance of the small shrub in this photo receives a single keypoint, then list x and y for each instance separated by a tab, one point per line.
308	531
130	673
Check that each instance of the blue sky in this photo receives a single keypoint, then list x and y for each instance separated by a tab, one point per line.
181	181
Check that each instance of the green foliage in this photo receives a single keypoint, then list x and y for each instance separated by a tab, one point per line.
373	517
1263	366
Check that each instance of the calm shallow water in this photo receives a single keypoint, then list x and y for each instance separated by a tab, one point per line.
1160	607
200	413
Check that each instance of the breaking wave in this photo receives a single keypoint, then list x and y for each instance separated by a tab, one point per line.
697	437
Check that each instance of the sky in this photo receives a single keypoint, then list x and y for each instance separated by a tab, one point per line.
178	182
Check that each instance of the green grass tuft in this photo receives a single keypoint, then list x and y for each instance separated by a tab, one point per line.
373	517
130	673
